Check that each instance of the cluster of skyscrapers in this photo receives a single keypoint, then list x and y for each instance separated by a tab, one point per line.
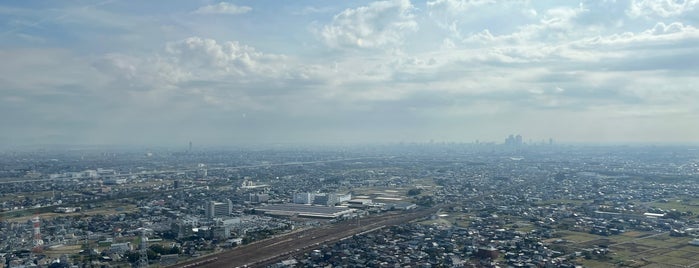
513	140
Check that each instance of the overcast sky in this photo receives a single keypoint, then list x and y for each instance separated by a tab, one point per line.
245	72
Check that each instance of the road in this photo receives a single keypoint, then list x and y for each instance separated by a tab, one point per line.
266	252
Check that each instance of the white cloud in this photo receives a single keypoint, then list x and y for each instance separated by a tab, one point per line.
555	26
204	58
308	10
228	75
531	13
661	33
223	8
459	18
661	8
140	73
446	63
153	72
444	8
672	28
380	24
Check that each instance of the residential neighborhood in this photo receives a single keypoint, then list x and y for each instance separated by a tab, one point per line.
495	206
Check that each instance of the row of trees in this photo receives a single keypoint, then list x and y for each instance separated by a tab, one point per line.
154	252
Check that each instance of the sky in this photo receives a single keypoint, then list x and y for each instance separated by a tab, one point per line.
303	71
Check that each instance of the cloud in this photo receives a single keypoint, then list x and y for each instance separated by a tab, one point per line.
557	24
660	8
448	8
198	59
673	28
380	24
223	8
673	35
148	73
496	68
204	59
228	75
309	10
195	53
560	39
385	70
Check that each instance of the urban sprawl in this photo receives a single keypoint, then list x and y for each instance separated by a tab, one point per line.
514	204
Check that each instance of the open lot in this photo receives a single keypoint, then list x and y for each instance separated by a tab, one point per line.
110	208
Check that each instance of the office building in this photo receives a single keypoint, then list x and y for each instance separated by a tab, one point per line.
219	209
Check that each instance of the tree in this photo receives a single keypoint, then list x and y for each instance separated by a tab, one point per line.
414	192
132	256
152	255
175	250
59	265
425	201
158	248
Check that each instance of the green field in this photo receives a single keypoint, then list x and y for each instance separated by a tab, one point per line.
578	237
636	249
691	205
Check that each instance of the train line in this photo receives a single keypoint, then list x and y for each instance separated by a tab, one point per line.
269	251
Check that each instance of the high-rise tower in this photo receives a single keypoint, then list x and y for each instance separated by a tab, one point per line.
37	241
143	250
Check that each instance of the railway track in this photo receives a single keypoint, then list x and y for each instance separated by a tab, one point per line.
269	251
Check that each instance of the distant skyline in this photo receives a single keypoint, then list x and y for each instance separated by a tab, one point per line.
164	73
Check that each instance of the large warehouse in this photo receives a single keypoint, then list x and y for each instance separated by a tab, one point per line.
304	210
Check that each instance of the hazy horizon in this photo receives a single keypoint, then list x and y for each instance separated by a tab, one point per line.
163	73
197	148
